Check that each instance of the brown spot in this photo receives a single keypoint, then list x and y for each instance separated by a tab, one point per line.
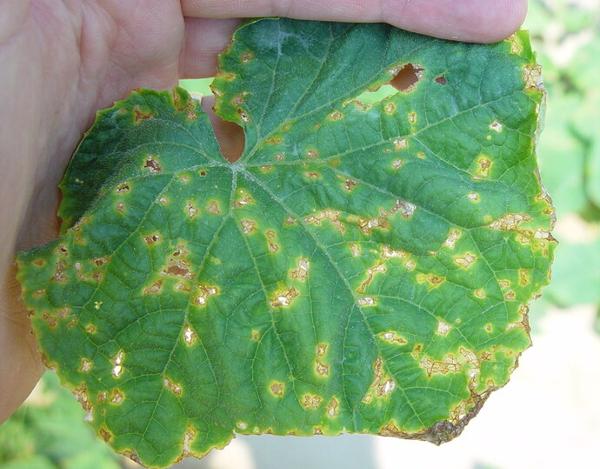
178	268
117	397
271	238
466	260
105	434
284	298
246	56
213	207
336	116
532	76
379	267
382	384
301	271
203	293
123	188
152	164
248	226
154	288
510	221
441	80
172	386
453	235
277	388
321	368
333	216
333	408
139	115
392	337
400	144
311	401
312	154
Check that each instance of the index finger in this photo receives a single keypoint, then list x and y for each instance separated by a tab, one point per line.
464	20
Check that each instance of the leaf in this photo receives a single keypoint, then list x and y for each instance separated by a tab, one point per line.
362	268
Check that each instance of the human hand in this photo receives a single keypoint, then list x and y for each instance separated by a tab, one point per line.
62	60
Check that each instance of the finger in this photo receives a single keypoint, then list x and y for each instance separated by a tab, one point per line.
466	20
204	39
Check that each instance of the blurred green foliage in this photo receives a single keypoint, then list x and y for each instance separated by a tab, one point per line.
566	35
49	432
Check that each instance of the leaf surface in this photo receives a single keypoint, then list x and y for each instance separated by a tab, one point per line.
364	267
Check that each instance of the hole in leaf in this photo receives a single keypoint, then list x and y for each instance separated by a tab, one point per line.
407	77
229	135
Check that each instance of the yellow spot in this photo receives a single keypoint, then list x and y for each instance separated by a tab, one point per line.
120	207
242	425
336	116
117	361
355	249
532	76
515	44
400	144
412	118
474	197
488	327
465	261
248	226
117	397
397	164
189	335
392	337
86	365
371	272
510	221
246	56
190	210
154	289
453	235
510	295
382	385
421	155
97	305
480	293
105	434
123	188
280	157
243	199
152	164
90	328
254	335
203	292
389	253
213	207
172	386
312	154
301	271
333	216
366	301
410	265
389	108
321	349
163	201
333	407
311	401
271	240
284	298
405	208
277	388
496	126
266	168
432	280
321	368
442	328
483	166
523	277
350	184
368	225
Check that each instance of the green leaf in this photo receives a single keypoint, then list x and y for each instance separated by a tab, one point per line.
362	268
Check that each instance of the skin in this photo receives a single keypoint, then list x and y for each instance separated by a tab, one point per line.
61	60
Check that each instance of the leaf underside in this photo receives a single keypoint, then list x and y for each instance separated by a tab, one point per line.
362	268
